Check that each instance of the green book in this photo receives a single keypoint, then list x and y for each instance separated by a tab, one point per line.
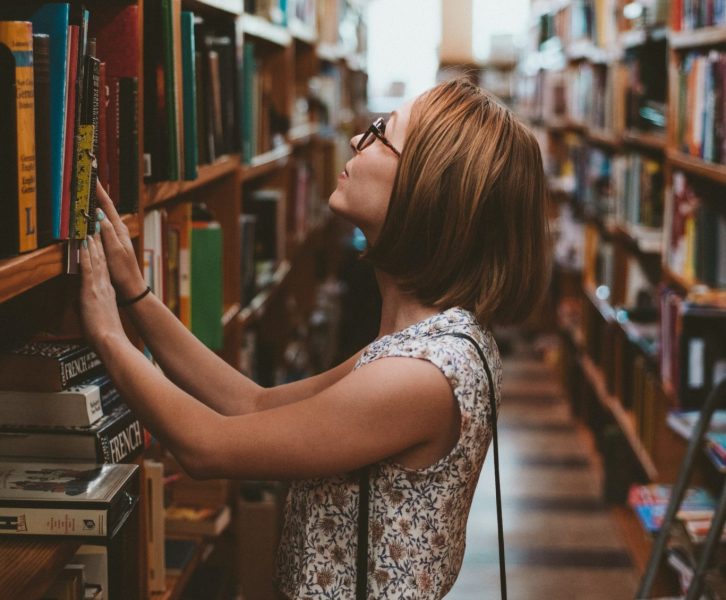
207	283
190	96
248	118
167	32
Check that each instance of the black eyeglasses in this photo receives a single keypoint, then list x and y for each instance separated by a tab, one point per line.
376	130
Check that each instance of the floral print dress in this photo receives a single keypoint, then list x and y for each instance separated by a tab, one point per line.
417	527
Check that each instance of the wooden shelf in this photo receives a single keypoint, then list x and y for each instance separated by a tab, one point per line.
651	141
302	134
230	313
603	138
157	193
639	37
302	33
262	29
623	418
706	36
23	272
264	163
257	306
698	166
35	565
329	52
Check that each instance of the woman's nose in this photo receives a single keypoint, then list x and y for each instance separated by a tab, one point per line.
354	143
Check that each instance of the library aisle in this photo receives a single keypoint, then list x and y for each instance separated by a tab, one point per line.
561	541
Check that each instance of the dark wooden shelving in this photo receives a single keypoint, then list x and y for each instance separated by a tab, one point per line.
651	141
23	272
157	194
267	162
706	36
698	166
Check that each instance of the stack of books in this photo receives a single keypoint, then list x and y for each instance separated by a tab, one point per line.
650	503
57	403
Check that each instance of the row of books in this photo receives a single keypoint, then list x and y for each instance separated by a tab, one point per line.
72	120
693	14
650	502
592	96
684	423
695	246
692	352
701	124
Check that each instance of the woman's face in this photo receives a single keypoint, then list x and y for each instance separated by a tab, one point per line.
365	185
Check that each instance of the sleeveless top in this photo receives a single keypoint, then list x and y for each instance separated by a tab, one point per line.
417	526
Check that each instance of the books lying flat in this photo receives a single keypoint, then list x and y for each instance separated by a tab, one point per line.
78	406
683	422
47	366
650	503
66	499
114	438
195	520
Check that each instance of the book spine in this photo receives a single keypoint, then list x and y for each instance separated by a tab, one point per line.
112	140
41	82
69	137
190	100
73	369
122	441
128	145
172	143
18	37
102	156
52	521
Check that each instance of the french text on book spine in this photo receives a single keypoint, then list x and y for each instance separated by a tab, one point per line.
125	442
78	366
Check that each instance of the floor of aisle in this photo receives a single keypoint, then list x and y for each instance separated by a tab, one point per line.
561	540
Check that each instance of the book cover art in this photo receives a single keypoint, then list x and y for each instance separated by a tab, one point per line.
39	483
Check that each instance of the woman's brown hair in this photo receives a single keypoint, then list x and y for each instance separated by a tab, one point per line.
466	224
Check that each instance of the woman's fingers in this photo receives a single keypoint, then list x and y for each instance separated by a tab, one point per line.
108	207
86	267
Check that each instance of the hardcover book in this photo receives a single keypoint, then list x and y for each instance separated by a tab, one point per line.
18	225
52	19
43	174
114	438
78	406
83	500
41	366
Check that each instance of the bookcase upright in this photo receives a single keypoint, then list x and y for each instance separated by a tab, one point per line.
302	94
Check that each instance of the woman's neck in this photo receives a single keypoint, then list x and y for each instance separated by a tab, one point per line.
399	309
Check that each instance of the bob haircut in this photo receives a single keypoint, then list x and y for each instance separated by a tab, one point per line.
466	223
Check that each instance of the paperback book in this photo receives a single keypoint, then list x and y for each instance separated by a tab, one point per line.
65	499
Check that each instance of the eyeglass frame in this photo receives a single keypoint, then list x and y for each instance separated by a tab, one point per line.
377	130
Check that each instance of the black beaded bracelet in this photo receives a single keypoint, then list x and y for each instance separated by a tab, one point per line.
133	300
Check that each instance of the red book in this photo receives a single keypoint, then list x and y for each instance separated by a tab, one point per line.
70	132
102	160
116	29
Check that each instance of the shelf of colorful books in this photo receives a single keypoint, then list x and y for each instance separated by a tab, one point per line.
266	162
300	135
156	194
258	305
35	565
624	418
302	33
696	38
643	139
698	166
20	273
262	29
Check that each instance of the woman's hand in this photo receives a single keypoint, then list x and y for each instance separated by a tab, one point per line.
120	256
99	312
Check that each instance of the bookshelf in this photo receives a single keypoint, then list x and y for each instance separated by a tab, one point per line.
311	85
624	190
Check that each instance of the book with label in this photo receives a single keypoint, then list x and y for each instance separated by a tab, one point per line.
43	366
114	438
18	224
83	500
78	406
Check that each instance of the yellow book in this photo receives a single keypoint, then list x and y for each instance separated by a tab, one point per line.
17	37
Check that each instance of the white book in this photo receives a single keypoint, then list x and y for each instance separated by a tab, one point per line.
78	406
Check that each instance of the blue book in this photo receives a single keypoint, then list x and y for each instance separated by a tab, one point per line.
189	82
52	19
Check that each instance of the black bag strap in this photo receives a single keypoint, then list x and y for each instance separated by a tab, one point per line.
361	583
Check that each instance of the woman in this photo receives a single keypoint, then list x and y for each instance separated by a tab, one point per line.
450	194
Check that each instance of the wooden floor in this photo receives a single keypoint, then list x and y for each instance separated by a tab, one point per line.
561	540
